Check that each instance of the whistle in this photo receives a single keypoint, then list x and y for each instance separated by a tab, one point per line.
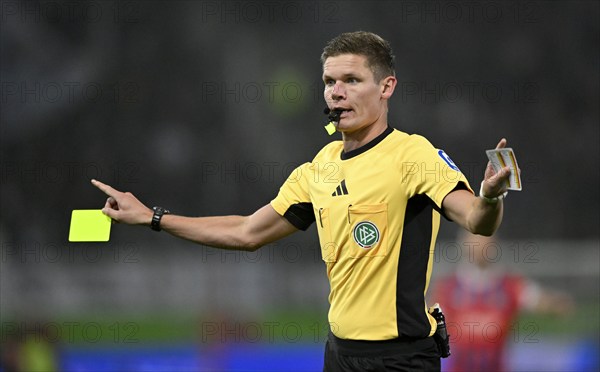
334	117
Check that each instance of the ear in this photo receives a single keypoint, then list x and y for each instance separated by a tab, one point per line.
388	84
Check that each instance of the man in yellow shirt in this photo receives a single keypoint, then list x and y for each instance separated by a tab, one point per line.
376	197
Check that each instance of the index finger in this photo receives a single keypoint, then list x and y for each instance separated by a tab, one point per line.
105	188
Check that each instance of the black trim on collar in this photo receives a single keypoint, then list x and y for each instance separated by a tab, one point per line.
365	147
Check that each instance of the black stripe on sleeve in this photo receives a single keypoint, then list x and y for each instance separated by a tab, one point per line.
300	215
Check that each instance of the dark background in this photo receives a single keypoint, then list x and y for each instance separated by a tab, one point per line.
206	106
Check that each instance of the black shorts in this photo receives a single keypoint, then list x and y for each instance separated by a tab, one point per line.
390	355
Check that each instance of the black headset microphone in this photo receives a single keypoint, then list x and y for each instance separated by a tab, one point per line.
334	117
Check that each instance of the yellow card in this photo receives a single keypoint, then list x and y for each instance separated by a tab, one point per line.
89	225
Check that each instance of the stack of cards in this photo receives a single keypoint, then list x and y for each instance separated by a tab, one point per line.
501	158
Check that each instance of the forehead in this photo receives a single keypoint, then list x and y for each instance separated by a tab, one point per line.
345	64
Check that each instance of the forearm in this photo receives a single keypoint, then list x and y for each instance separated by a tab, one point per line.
221	232
473	213
484	218
231	232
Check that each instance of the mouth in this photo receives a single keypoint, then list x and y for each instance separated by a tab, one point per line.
341	112
336	114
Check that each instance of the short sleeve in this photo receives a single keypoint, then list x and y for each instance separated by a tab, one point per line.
293	200
430	171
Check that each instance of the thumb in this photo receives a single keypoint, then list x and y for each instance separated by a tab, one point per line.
501	176
501	144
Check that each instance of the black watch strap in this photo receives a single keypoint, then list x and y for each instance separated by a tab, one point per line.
156	217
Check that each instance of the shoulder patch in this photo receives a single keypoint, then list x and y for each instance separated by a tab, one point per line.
447	159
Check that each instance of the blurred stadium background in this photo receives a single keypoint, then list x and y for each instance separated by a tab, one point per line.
204	107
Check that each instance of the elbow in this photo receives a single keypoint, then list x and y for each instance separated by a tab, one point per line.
250	243
252	246
250	239
487	233
483	230
484	226
239	245
239	242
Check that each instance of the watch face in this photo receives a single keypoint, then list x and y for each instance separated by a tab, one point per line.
160	210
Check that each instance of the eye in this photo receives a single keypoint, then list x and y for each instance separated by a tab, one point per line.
352	80
329	82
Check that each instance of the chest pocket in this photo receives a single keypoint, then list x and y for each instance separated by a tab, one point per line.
368	227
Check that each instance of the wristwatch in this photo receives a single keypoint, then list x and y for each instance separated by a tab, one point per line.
156	217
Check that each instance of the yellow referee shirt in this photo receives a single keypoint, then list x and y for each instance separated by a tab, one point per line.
376	210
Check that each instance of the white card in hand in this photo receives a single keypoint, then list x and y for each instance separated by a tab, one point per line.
501	158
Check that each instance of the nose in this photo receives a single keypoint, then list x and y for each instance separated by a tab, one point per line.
338	91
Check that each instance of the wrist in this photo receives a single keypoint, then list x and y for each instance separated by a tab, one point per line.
147	219
489	199
157	216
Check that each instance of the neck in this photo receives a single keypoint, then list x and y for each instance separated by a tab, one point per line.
360	137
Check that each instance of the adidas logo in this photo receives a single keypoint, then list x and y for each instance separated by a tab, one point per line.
341	189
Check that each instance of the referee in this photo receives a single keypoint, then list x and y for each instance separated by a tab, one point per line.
376	197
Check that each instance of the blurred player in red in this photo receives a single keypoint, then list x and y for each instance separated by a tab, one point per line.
482	300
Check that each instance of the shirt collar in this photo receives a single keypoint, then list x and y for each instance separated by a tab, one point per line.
352	153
